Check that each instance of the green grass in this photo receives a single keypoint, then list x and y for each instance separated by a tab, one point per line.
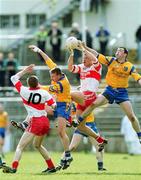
84	167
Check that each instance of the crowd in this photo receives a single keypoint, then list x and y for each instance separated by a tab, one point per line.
8	67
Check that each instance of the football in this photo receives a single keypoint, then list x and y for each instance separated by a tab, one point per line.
71	43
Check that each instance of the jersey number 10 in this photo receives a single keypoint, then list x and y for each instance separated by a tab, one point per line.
34	98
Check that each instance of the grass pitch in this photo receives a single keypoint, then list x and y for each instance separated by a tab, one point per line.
84	167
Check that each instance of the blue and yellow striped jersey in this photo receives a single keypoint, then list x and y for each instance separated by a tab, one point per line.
61	88
118	73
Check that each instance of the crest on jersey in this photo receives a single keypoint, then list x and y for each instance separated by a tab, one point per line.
125	68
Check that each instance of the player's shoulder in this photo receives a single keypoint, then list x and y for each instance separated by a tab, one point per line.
128	63
110	58
44	92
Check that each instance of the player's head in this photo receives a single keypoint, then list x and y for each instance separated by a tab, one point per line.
33	81
56	74
121	52
88	59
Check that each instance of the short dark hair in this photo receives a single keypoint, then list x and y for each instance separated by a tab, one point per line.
33	81
125	50
56	71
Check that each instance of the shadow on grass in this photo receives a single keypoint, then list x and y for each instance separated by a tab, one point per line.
90	173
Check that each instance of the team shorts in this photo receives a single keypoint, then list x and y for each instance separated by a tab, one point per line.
90	97
116	95
91	125
2	132
39	126
62	110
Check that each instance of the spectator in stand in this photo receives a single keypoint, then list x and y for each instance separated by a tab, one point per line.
89	38
41	38
2	70
11	67
103	37
55	35
138	40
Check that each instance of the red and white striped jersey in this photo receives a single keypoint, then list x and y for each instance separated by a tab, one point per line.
89	76
34	100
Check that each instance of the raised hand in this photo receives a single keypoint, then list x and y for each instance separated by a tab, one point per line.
80	46
29	68
34	48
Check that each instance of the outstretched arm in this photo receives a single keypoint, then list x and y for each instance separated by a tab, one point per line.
82	46
26	70
15	79
70	60
47	59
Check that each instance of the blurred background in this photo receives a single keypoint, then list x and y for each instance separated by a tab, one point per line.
102	24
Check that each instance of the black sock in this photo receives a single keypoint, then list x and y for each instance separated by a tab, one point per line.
100	165
67	154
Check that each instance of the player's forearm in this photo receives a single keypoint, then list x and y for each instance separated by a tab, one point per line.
70	62
48	60
92	51
44	55
20	74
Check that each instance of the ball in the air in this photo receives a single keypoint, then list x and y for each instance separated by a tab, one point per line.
71	43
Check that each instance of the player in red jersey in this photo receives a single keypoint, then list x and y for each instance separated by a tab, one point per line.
34	99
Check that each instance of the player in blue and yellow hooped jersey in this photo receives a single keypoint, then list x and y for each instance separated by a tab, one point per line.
60	87
3	126
78	135
117	77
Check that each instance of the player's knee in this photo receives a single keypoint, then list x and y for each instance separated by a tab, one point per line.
61	133
82	127
36	146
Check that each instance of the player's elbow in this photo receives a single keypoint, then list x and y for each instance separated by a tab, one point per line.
70	68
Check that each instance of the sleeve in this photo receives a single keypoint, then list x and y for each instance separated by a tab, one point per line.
49	100
97	66
76	69
17	83
46	88
106	60
50	64
135	75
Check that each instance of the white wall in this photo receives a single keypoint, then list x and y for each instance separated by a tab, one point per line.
121	15
124	16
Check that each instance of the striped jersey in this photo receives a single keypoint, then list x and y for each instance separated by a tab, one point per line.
89	76
34	99
118	73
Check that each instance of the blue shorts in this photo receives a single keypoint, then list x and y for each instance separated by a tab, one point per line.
116	95
91	125
2	132
62	110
